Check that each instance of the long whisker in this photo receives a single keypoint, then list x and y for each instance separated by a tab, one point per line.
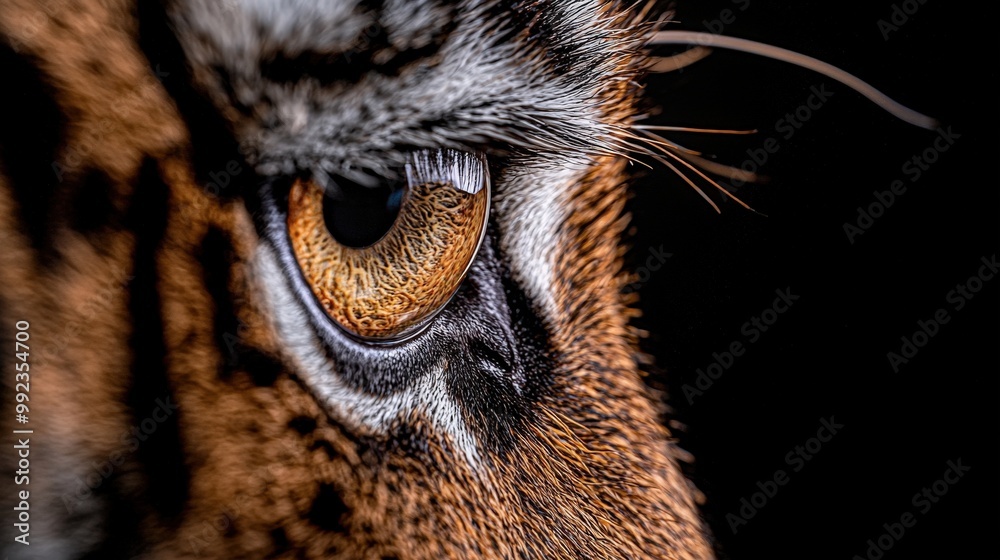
689	182
719	169
798	59
712	182
689	129
662	64
651	138
727	171
667	151
628	142
659	142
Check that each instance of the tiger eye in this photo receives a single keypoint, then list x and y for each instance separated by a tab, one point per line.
391	288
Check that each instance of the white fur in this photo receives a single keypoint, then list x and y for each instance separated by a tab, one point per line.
534	207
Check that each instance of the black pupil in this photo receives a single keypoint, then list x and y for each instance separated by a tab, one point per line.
358	216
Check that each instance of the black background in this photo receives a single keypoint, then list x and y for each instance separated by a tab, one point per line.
827	356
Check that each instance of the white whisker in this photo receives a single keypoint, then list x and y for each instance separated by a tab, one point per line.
659	141
798	59
689	129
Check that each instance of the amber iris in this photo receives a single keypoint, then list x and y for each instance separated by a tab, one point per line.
391	288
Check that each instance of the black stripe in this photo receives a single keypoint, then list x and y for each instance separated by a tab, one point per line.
162	454
31	133
216	256
213	146
91	208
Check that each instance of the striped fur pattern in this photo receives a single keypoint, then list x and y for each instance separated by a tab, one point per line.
192	403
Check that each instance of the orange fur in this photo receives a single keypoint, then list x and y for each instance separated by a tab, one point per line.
270	473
